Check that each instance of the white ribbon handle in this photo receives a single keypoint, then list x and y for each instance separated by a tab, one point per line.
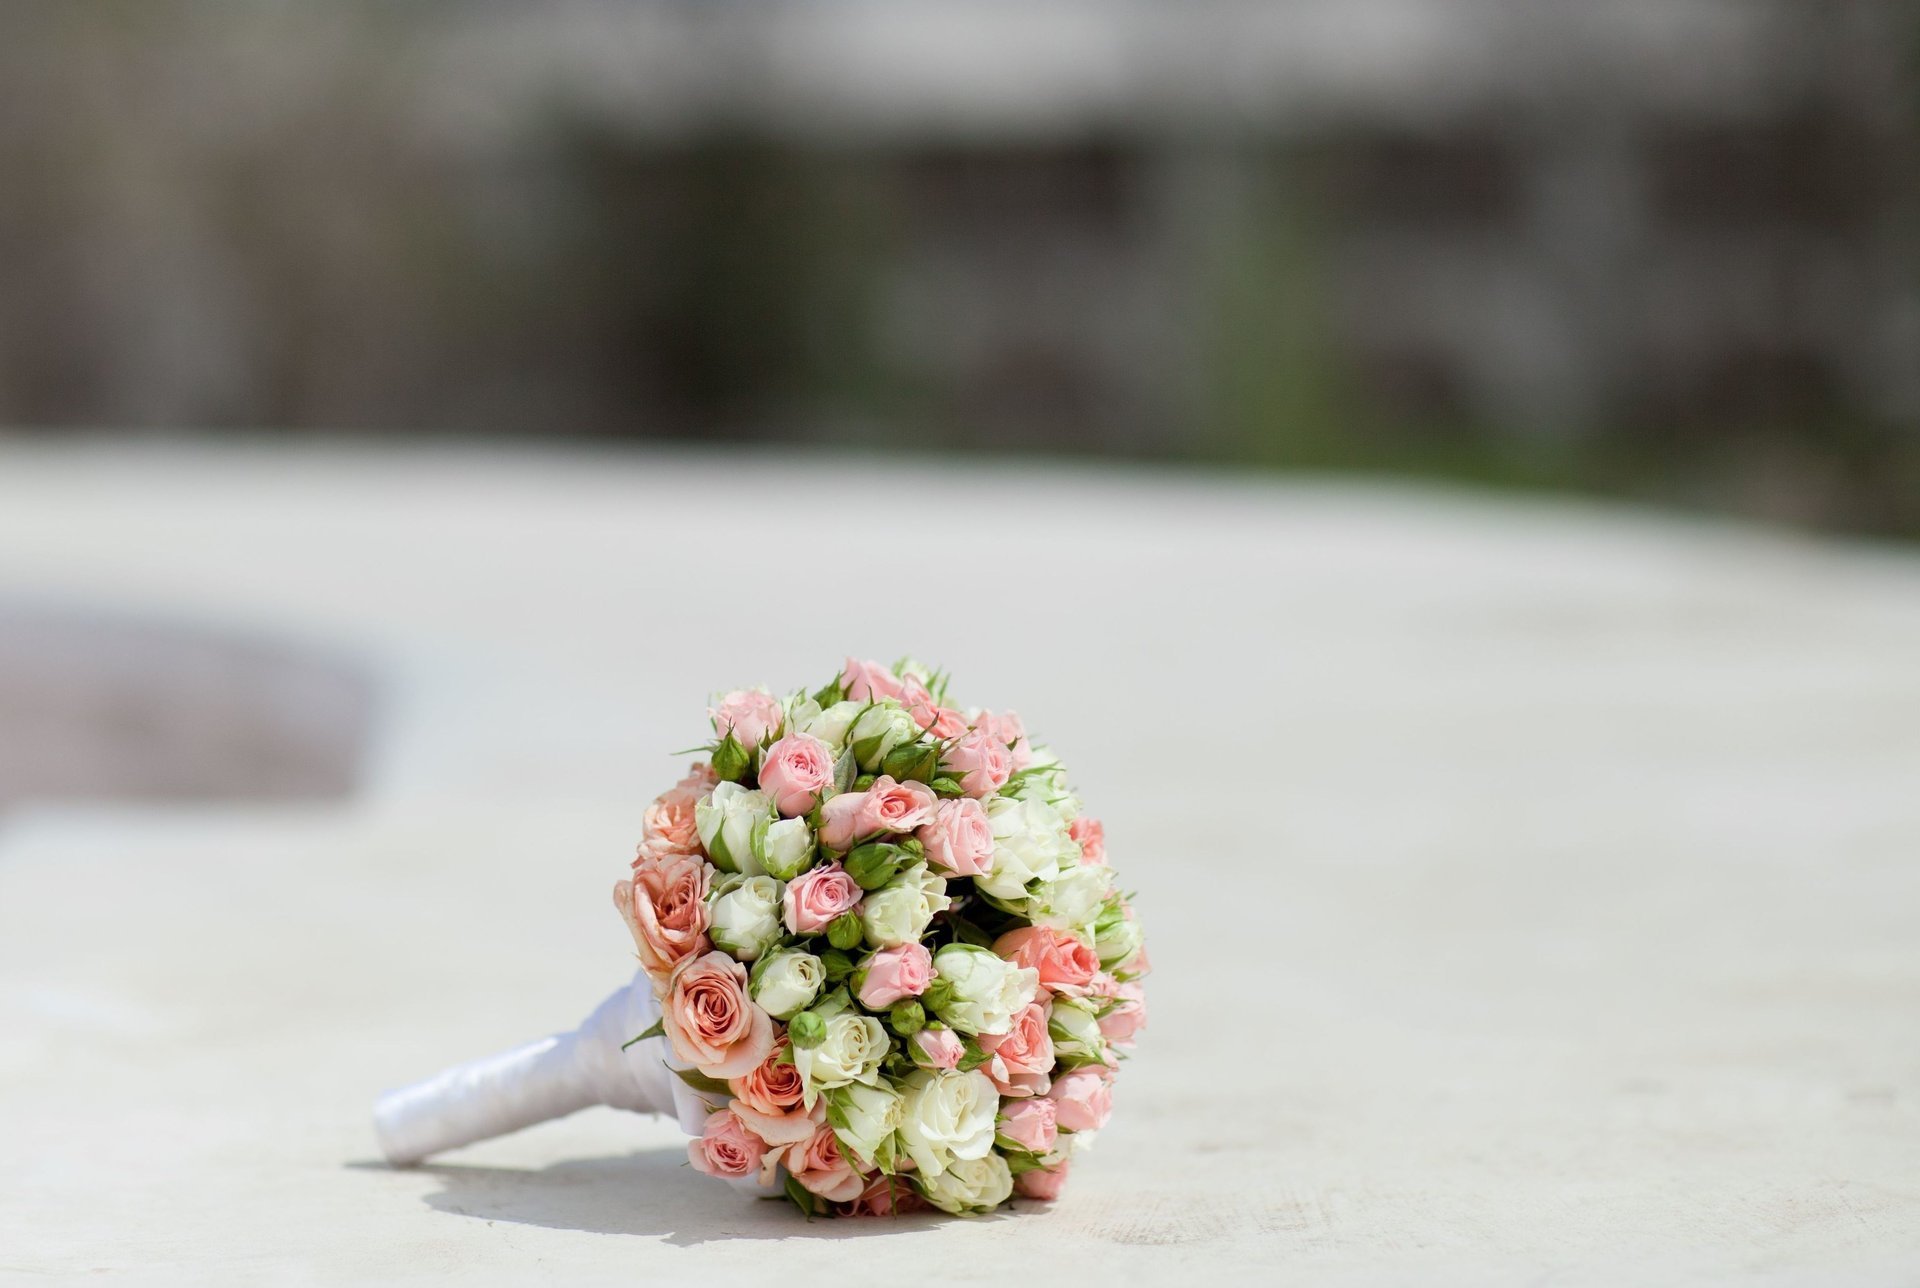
550	1078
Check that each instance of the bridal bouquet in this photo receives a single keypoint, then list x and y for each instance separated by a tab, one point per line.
889	962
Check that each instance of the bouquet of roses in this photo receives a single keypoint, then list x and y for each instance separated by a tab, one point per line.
889	961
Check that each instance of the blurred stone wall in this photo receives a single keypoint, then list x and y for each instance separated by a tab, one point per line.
1670	245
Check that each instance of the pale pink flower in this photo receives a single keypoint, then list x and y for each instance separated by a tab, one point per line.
796	771
711	1022
1065	965
936	1048
725	1147
1042	1183
748	714
887	806
1083	1099
818	895
1029	1124
893	974
869	681
942	722
668	824
959	840
979	761
887	1196
1126	1017
1006	729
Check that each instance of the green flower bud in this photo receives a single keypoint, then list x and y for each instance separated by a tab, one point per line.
807	1030
730	759
918	761
908	1017
845	931
837	965
874	864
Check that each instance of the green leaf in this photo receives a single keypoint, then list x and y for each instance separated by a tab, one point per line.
802	1198
845	770
701	1083
973	1058
658	1027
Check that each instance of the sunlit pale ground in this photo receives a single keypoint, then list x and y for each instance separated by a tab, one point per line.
1534	889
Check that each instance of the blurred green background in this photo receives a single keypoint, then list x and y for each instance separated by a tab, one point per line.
1666	250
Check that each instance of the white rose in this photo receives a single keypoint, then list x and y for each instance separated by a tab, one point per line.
787	982
1072	900
882	726
977	991
1030	843
975	1185
898	912
851	1051
784	847
1075	1031
1116	936
744	918
831	725
947	1116
725	819
864	1117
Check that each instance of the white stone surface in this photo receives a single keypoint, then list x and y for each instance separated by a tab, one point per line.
1534	889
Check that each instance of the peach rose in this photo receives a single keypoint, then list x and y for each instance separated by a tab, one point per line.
748	714
726	1148
797	770
887	806
668	825
981	763
1092	838
1083	1099
1030	1124
665	908
768	1100
1066	966
822	1169
1042	1183
959	840
818	895
893	974
711	1022
1019	1060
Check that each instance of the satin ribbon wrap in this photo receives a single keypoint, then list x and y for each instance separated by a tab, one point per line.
542	1080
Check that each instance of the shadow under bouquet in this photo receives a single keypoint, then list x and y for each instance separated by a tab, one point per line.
883	963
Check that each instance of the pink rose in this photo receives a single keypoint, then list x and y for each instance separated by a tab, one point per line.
1019	1060
665	908
822	1169
980	763
887	1196
669	825
711	1022
1092	838
817	896
1138	964
1042	1183
887	806
936	1048
1007	730
1029	1124
868	681
959	840
942	722
797	769
725	1147
1126	1017
1082	1099
895	973
748	714
1066	965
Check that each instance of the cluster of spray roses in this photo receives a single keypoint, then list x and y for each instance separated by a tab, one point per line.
887	948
